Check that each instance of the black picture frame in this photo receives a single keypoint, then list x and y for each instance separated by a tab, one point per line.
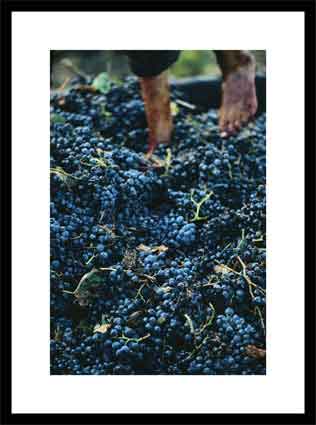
306	6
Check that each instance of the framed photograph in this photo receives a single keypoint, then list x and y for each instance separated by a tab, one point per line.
158	212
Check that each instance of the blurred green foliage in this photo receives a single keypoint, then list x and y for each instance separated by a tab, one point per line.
203	62
190	63
195	62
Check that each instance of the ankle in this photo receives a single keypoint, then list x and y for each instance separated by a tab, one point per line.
232	61
155	87
156	96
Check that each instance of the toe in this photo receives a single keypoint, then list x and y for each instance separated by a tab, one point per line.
231	127
238	121
237	124
252	107
244	116
232	119
223	123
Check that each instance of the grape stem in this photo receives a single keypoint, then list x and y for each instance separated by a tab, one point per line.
209	321
257	309
139	293
199	205
243	274
167	162
90	259
137	340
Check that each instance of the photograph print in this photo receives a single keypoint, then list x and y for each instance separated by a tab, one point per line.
157	212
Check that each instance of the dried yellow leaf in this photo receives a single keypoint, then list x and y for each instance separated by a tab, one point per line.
102	328
221	268
159	248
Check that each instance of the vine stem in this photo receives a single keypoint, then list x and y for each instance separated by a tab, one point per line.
243	274
257	309
210	321
125	338
167	162
199	205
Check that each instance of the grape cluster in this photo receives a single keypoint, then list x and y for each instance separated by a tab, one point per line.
157	265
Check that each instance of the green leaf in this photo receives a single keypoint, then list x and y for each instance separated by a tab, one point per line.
56	118
102	83
88	280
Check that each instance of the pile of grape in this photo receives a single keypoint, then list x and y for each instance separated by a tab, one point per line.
157	265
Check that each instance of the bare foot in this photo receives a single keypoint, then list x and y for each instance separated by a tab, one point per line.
239	100
156	96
